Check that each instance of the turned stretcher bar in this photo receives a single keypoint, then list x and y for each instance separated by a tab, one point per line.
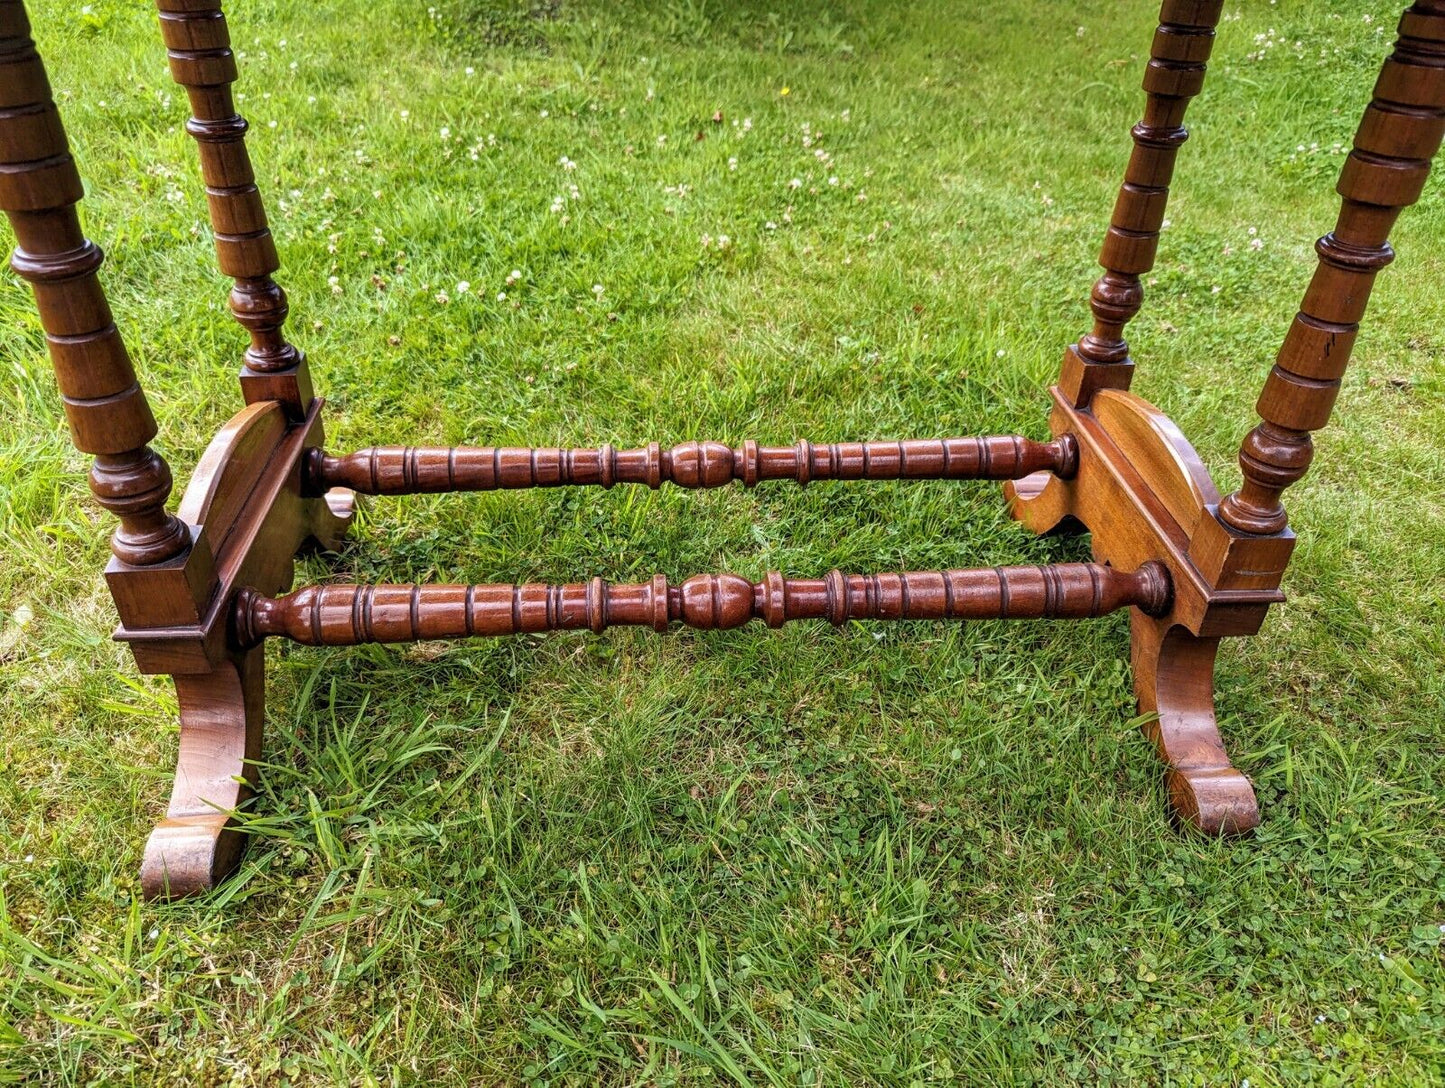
345	615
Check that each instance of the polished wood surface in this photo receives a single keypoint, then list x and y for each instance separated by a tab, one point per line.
246	500
104	403
198	592
407	470
1143	492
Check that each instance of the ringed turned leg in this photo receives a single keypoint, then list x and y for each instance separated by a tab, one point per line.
1174	679
197	844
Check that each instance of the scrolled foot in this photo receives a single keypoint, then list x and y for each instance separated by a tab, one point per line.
1218	801
1174	679
197	844
188	855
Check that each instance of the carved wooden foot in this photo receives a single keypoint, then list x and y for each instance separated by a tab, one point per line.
246	500
197	845
1174	678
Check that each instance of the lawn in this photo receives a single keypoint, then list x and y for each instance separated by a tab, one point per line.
895	855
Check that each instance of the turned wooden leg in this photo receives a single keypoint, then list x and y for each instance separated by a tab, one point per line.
1174	679
1174	75
197	845
1385	172
198	46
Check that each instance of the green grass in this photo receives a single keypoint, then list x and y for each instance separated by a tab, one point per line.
891	855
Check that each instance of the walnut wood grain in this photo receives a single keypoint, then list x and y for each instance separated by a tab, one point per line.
405	470
1174	75
198	45
1384	173
104	404
346	615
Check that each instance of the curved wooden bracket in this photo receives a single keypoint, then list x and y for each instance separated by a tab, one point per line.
1174	681
197	844
1144	494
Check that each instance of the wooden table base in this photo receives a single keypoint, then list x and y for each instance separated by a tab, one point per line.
200	590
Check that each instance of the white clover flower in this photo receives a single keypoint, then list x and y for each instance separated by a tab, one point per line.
597	289
501	296
796	183
463	287
733	163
